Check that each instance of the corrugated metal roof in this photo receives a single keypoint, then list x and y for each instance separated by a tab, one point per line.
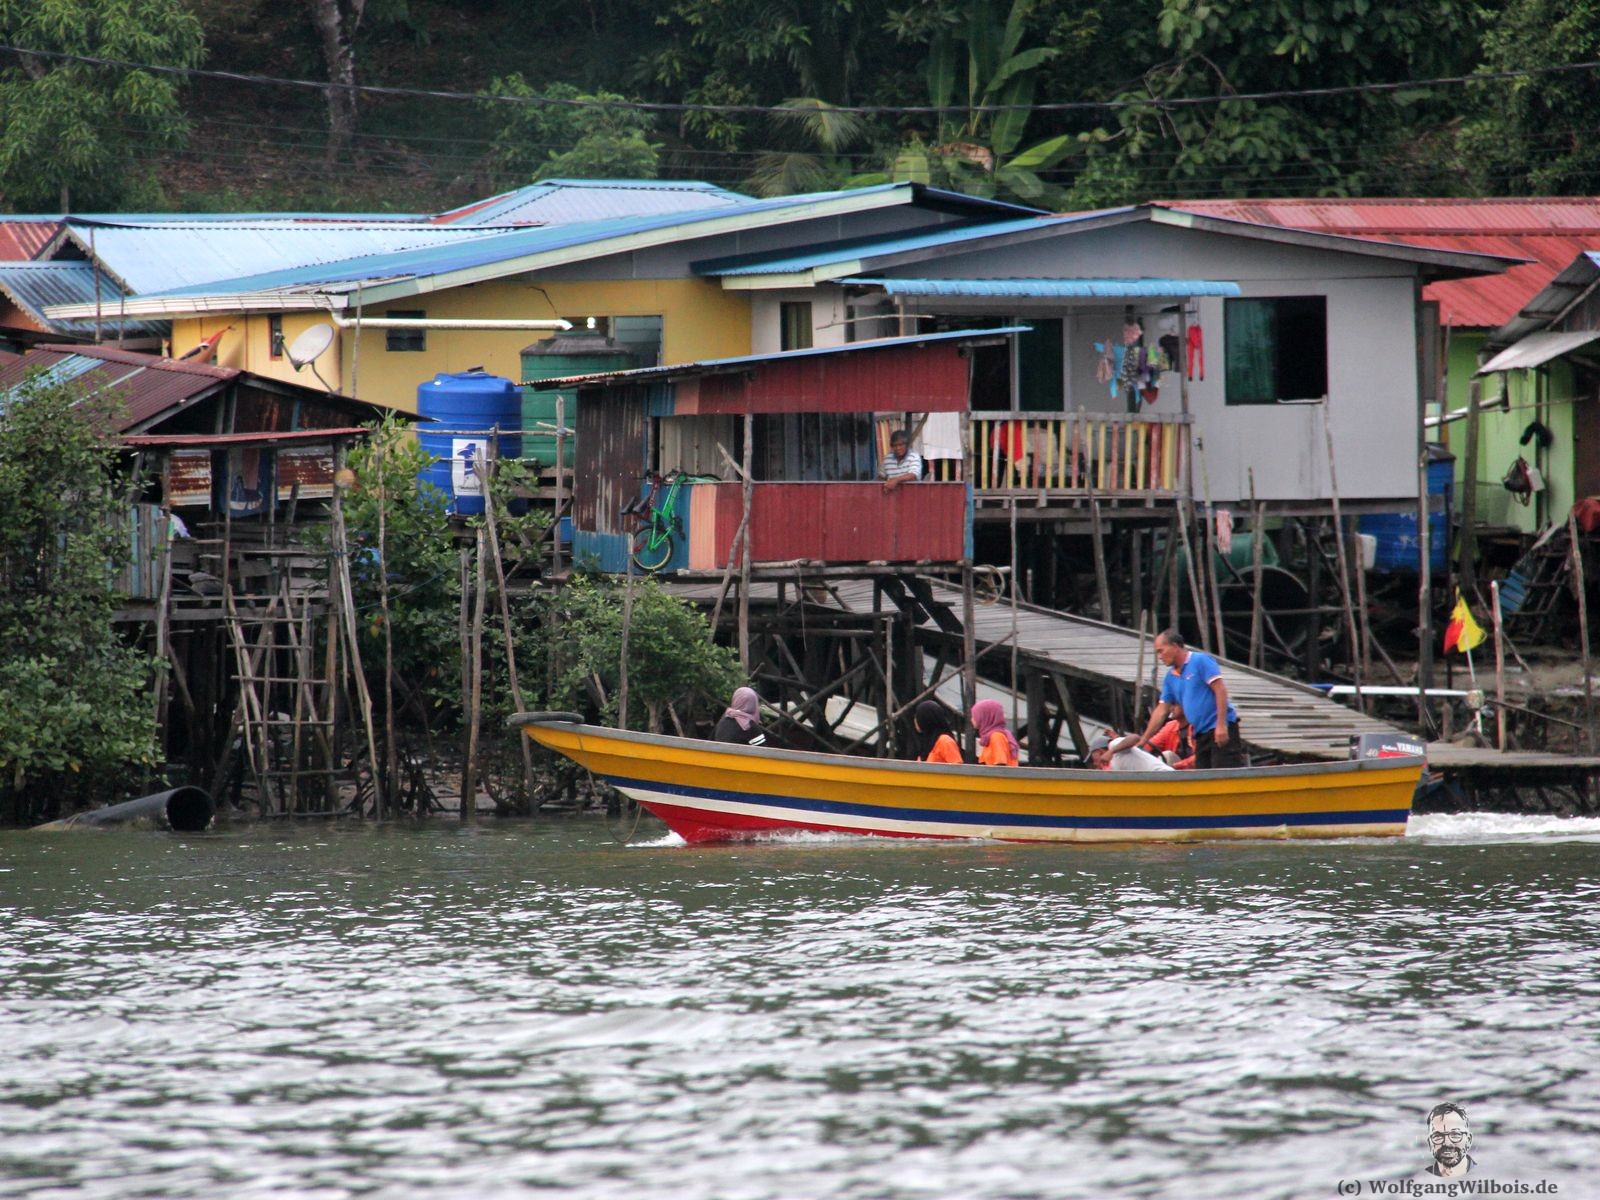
22	239
1549	231
499	245
564	201
1537	349
33	285
713	366
161	257
860	250
1049	288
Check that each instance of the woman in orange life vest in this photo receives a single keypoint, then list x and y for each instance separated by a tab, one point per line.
932	724
997	747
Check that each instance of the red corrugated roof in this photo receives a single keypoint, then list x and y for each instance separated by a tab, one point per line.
21	240
1552	231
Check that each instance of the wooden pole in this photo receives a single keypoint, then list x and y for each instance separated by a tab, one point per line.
561	489
1424	594
505	621
1138	675
1499	670
391	749
969	614
1258	520
1467	547
1195	594
1582	594
1213	596
623	651
347	606
1011	507
744	546
1357	652
1101	580
469	788
163	603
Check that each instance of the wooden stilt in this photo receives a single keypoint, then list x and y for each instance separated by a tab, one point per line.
624	653
1101	580
1499	668
469	788
744	547
1357	651
1196	596
347	607
1582	593
492	524
1258	537
391	747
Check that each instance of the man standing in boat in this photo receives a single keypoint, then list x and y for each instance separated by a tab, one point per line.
1195	686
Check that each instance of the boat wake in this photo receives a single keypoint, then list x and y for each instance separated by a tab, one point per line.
1502	827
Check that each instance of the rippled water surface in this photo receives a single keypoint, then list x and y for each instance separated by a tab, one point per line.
526	1009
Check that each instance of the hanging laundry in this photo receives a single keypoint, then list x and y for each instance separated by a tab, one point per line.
1132	331
1105	369
1197	352
1150	393
1119	354
1224	532
1171	351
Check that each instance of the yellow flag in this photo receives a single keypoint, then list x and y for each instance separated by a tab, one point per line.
1462	633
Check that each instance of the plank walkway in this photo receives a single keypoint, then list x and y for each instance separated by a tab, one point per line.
1276	714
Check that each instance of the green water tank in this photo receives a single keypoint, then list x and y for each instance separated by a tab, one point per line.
576	352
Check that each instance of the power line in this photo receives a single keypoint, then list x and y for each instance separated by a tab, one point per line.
1156	102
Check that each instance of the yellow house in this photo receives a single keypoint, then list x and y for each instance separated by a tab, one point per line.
633	275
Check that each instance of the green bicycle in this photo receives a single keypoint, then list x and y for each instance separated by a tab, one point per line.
653	544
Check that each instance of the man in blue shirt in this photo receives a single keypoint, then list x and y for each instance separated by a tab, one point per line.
1195	685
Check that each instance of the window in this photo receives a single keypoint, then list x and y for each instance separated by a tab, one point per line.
1275	349
599	325
642	337
406	339
275	337
794	325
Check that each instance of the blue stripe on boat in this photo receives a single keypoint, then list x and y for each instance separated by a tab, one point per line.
1373	816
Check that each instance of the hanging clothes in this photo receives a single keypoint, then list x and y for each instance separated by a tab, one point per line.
1197	352
1105	368
1224	532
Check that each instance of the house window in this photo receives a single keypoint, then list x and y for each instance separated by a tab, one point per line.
599	325
406	339
1276	349
795	325
642	337
275	337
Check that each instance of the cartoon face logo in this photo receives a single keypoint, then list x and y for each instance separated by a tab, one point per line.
1449	1139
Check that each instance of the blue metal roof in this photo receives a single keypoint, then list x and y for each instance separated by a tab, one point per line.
33	285
1052	288
863	248
500	245
564	201
165	256
712	366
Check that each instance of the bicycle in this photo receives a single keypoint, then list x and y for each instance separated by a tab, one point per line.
653	544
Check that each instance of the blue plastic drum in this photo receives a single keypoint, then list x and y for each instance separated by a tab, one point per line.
465	408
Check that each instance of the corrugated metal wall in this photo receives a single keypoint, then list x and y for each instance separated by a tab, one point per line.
927	378
609	460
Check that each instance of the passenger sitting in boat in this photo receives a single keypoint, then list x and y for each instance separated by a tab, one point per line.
1122	754
936	744
1172	743
997	746
741	723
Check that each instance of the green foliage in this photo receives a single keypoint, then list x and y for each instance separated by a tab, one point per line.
71	128
560	140
671	658
1535	135
76	723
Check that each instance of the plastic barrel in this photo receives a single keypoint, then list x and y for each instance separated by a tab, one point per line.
579	352
465	407
1399	543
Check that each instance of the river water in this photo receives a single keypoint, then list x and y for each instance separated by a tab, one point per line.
529	1009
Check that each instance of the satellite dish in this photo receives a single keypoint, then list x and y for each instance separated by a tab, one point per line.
310	345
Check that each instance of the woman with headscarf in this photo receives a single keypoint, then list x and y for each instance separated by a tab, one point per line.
997	746
936	743
741	722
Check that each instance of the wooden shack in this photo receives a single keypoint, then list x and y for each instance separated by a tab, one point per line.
812	424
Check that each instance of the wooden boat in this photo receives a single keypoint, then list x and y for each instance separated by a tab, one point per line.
714	792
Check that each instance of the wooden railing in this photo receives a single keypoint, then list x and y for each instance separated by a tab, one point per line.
1106	454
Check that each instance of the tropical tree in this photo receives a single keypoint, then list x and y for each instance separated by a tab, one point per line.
565	133
76	720
976	66
75	133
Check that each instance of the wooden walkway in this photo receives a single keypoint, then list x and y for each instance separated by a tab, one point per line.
1276	714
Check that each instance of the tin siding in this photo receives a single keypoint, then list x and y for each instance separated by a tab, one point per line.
837	522
609	459
927	378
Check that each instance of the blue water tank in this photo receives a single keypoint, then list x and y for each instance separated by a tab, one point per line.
465	408
1399	546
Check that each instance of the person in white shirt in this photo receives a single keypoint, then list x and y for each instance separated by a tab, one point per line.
1122	754
902	464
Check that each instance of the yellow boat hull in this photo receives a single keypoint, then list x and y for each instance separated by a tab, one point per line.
711	791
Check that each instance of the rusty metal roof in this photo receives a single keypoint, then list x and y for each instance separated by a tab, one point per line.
1550	231
149	387
21	240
